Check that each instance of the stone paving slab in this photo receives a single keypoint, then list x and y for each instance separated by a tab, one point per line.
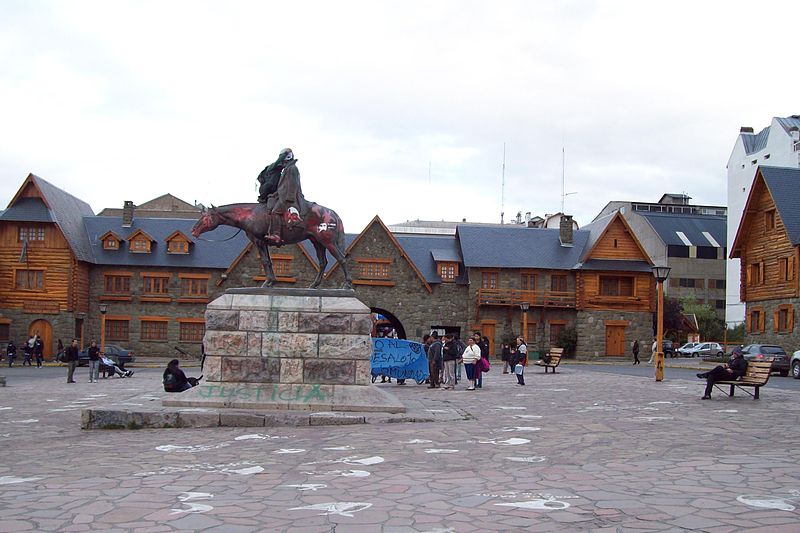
574	451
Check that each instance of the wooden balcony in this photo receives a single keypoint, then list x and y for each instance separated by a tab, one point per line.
514	297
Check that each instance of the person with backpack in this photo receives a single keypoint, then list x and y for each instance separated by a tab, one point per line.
38	351
175	380
11	352
27	351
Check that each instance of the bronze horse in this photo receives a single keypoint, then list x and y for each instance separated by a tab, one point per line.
320	225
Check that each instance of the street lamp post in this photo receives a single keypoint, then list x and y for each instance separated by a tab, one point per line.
103	310
661	274
525	306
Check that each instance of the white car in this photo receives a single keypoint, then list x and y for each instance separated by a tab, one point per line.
684	350
705	348
794	367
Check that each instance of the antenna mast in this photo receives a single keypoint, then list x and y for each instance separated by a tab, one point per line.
563	190
503	187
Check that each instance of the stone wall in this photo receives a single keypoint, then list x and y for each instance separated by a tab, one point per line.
62	324
789	341
591	329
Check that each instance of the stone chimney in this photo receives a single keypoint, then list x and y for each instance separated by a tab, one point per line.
745	129
127	214
565	230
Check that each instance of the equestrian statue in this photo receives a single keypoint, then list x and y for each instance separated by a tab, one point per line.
282	216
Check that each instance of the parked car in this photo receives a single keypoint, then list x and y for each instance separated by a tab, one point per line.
683	349
794	365
667	348
119	355
768	352
703	349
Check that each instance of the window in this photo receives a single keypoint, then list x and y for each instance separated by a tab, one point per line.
691	283
558	283
5	332
110	243
31	233
530	335
755	274
786	268
154	330
29	280
555	331
155	285
719	304
176	246
117	329
754	321
447	270
373	270
489	279
527	282
769	219
192	331
717	283
140	245
616	286
783	320
118	284
282	267
674	250
706	252
194	287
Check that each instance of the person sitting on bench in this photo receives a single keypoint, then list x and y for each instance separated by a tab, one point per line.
115	369
730	372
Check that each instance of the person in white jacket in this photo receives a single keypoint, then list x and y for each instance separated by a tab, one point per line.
472	354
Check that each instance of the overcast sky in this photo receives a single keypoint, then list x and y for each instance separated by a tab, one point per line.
399	109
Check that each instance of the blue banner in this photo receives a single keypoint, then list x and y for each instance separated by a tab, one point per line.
399	359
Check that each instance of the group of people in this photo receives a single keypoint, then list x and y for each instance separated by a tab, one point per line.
32	349
72	357
448	355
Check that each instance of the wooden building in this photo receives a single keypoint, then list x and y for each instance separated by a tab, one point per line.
768	244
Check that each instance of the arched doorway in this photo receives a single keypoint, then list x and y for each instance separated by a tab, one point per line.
385	321
43	328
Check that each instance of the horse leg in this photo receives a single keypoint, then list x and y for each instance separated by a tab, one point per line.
322	260
266	262
333	248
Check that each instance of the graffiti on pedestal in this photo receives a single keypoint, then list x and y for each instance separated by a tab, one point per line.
400	359
277	392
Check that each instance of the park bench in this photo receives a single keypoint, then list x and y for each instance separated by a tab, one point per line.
756	376
553	359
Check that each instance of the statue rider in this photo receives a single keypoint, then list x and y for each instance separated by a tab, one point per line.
280	190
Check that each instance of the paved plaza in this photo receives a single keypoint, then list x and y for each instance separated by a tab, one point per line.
576	451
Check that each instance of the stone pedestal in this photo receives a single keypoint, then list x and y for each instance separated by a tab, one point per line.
288	349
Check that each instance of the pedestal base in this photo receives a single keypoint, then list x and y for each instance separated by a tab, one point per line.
303	396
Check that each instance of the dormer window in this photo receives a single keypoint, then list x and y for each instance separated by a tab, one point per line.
111	241
139	242
447	270
178	243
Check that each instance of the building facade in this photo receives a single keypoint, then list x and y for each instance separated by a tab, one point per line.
767	244
688	238
776	145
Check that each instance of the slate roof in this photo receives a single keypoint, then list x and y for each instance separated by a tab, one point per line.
425	250
692	226
784	186
756	143
202	254
28	210
519	247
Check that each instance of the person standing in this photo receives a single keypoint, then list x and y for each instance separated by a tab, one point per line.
735	369
635	350
505	356
520	361
482	343
38	350
94	362
27	351
471	355
11	352
434	360
71	358
449	357
653	352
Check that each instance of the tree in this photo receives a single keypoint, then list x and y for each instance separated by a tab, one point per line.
673	319
568	339
709	324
